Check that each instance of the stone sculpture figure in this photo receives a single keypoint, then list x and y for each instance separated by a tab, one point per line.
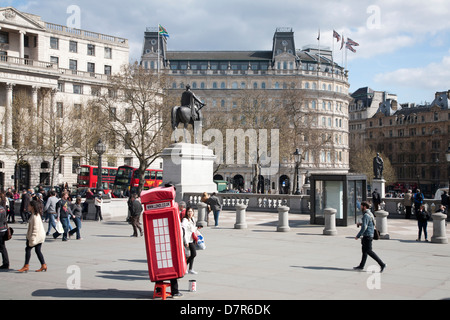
378	166
188	113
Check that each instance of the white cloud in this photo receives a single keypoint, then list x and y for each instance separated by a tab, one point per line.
433	76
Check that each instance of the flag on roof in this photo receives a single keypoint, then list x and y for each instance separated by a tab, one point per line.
351	42
163	31
349	47
336	35
342	44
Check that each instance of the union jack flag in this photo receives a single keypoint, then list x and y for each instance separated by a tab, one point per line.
336	35
351	42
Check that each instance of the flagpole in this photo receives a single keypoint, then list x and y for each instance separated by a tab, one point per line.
158	50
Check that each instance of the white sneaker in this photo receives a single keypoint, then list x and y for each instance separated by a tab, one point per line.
192	272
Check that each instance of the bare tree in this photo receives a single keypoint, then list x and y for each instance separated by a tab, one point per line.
135	106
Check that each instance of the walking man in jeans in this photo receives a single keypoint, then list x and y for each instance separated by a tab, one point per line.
367	231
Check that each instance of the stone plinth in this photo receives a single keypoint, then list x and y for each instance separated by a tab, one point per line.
189	167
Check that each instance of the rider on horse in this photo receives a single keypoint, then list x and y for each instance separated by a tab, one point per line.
188	99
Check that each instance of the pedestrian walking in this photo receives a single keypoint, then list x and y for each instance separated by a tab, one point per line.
422	222
64	212
3	231
98	206
135	214
50	210
77	213
407	203
190	229
367	232
10	211
35	235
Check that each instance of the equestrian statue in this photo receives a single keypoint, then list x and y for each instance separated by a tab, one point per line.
188	113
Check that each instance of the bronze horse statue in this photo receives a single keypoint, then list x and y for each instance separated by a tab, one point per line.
183	114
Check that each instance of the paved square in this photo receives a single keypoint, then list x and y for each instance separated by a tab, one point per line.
257	263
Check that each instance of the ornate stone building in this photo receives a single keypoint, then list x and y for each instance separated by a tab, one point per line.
414	138
219	78
55	65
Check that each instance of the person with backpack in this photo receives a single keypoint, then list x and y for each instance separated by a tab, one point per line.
418	201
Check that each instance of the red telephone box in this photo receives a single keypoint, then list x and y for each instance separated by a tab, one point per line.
163	235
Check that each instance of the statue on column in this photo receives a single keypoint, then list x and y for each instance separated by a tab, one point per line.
378	166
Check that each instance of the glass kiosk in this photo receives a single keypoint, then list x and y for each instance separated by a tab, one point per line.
341	192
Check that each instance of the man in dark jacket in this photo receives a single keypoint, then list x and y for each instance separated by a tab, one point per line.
135	214
24	206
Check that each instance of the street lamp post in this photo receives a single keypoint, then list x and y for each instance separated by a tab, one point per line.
297	156
447	156
100	149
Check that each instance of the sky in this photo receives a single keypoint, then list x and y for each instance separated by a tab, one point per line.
404	45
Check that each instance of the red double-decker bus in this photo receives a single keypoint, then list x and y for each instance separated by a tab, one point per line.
88	177
127	180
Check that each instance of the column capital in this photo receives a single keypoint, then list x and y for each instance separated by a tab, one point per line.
10	85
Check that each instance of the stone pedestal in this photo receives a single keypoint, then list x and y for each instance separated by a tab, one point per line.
381	223
202	214
189	167
283	219
379	184
240	217
330	222
439	232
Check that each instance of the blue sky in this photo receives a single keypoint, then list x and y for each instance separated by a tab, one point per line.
404	45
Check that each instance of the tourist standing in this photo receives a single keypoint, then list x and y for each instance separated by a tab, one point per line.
407	203
422	222
367	232
189	227
135	214
24	206
98	206
376	199
445	200
214	203
35	235
418	201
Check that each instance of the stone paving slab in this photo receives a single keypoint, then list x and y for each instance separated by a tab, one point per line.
257	263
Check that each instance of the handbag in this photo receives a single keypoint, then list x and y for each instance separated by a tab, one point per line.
376	234
194	237
59	227
8	233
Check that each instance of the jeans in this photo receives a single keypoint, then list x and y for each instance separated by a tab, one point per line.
77	229
422	224
65	224
216	217
37	248
190	260
367	250
51	222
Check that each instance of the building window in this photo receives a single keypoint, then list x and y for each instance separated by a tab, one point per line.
77	89
54	43
108	70
91	50
4	37
91	67
73	46
73	65
54	60
108	53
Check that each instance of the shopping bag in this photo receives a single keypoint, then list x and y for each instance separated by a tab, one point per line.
201	242
59	227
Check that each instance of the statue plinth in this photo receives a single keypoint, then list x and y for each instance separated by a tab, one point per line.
190	168
379	184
